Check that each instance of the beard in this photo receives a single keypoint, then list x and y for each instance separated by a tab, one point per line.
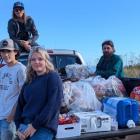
107	54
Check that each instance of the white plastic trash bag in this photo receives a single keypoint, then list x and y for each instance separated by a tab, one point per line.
77	71
80	96
107	87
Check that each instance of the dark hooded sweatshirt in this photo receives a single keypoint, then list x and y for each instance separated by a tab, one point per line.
39	102
23	31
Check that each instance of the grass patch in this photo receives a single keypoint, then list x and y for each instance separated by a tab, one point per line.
132	71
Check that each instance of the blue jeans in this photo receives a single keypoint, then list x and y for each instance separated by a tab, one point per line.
7	130
42	134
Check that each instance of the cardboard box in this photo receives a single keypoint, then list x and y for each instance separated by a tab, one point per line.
68	130
96	121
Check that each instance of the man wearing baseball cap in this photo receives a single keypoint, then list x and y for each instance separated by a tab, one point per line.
12	77
8	44
18	4
22	29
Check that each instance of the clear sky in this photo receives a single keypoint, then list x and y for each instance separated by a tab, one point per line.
82	25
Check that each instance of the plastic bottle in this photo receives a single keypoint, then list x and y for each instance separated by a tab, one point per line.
114	124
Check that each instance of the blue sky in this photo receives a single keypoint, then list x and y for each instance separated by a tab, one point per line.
82	25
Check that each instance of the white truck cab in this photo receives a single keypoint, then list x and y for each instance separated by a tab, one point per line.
60	58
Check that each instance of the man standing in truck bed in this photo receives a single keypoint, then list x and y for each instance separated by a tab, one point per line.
110	63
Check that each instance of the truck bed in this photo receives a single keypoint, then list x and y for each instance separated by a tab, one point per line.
99	135
129	84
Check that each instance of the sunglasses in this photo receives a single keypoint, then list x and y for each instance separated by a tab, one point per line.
18	10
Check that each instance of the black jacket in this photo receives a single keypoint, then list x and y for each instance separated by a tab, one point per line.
30	28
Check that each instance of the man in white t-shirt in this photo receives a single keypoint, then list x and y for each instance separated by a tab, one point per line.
12	78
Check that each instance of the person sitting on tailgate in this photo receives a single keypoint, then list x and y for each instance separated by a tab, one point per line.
110	63
22	29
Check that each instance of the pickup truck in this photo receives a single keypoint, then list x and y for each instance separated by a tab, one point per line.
129	84
60	59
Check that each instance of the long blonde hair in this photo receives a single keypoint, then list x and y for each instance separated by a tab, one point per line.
49	66
24	17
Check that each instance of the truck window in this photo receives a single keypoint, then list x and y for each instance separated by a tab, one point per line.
53	60
23	59
61	61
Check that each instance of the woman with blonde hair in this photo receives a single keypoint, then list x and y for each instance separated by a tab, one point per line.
22	29
39	103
